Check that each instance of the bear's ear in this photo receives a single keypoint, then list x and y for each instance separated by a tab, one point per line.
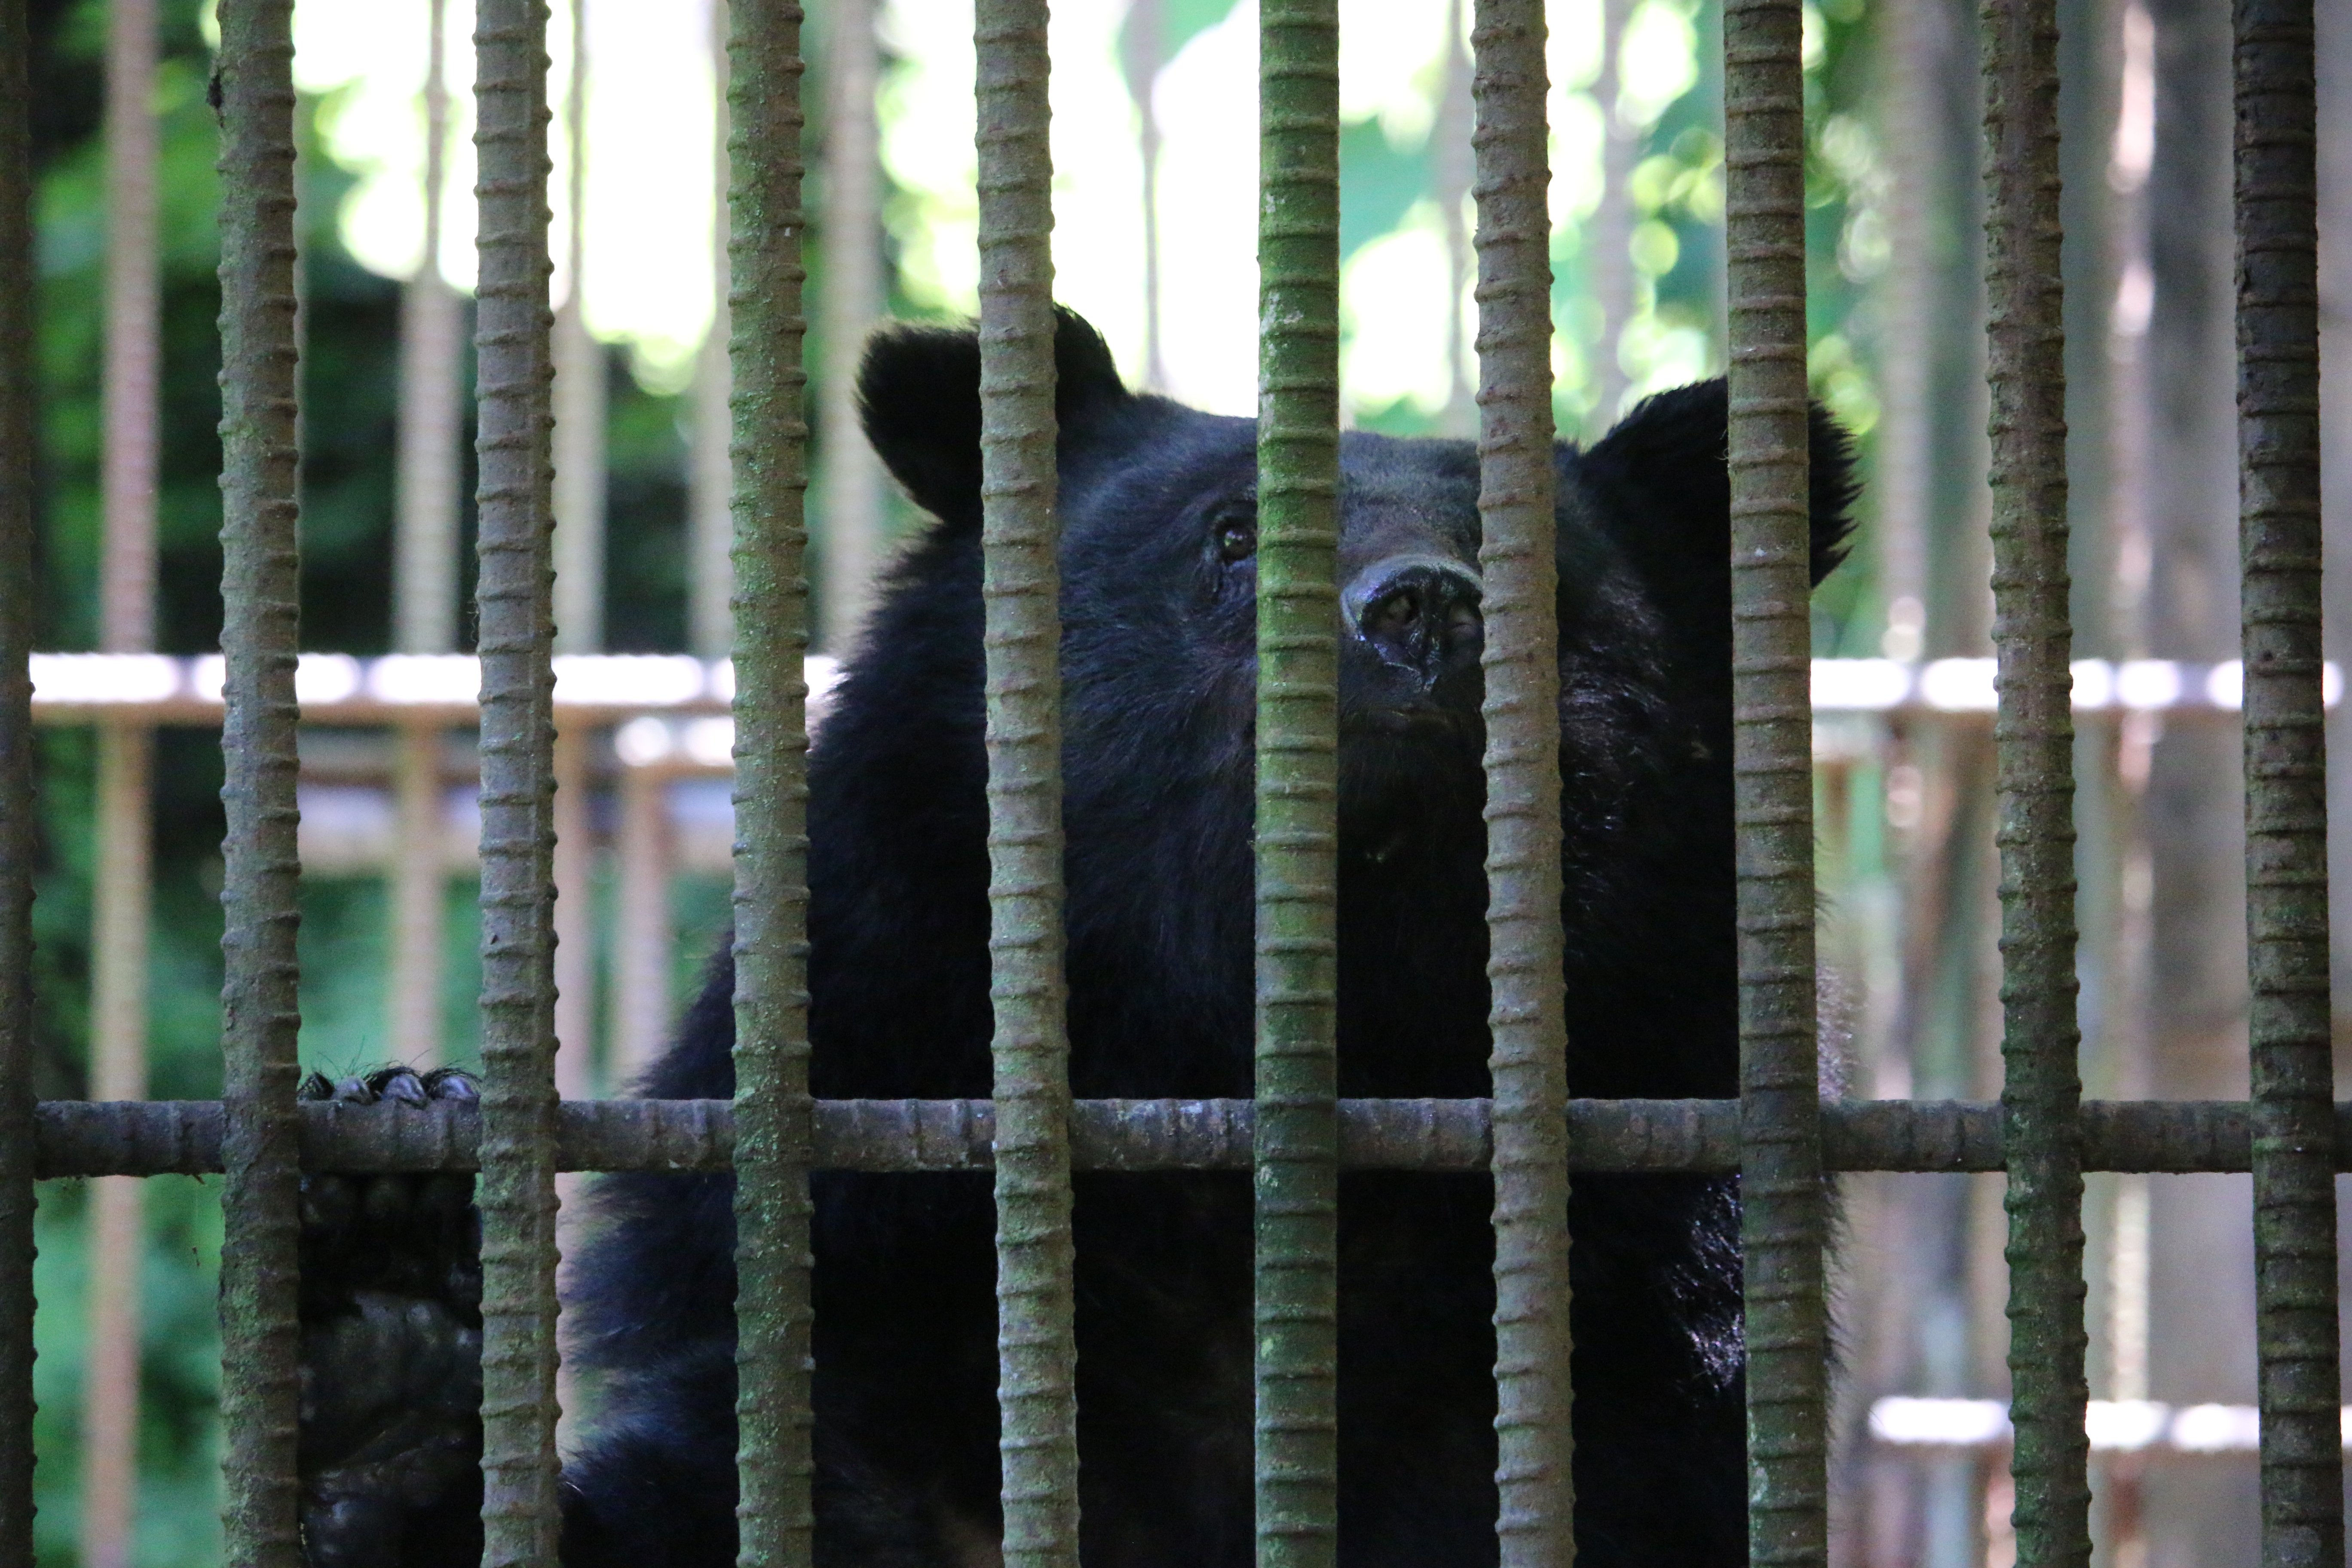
919	395
1665	492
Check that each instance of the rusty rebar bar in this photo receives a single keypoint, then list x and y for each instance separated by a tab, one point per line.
855	487
2286	784
18	847
121	887
149	1137
425	521
1297	1231
769	479
1036	1342
260	570
1782	1228
420	880
132	386
2033	741
1528	1011
514	592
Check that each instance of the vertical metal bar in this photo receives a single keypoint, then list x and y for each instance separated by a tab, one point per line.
134	357
772	1119
1605	239
2286	783
852	219
642	937
125	754
1528	1011
419	884
424	584
122	891
1143	52
2034	743
1781	1222
259	577
16	842
1452	174
580	397
575	869
518	749
123	884
1297	785
1021	583
709	519
425	572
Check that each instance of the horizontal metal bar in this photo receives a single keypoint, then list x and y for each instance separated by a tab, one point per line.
147	1138
339	688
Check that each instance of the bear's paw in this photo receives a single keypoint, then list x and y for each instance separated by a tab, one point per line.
392	1350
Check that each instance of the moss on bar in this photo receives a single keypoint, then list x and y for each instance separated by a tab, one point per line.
1021	589
260	568
769	449
1298	1177
2296	1332
1528	1017
1781	1219
514	592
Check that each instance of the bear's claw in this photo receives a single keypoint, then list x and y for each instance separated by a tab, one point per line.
392	1339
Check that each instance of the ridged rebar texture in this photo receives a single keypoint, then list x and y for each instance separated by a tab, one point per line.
183	1137
1781	1223
260	571
1536	1526
2286	785
1036	1347
1297	1171
770	454
2033	741
18	847
514	497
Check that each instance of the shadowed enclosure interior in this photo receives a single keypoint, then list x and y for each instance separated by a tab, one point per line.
1781	1136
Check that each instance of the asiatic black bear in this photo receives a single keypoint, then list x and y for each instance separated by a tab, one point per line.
1159	521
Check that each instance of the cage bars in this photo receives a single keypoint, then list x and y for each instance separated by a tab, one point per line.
424	526
2286	784
2033	739
17	845
709	494
1782	1221
1511	181
514	497
259	578
770	450
855	489
1297	1149
148	1138
121	883
2290	1134
425	581
1020	591
581	407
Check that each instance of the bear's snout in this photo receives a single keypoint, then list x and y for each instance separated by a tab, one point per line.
1419	613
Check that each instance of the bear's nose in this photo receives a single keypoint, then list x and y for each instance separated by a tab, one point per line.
1418	612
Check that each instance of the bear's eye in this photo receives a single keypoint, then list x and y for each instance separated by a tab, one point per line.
1236	536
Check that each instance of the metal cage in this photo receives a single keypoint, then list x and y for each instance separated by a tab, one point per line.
1296	1136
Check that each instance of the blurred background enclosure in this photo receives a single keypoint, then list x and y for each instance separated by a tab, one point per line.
1154	151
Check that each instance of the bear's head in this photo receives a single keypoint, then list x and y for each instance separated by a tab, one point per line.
1159	515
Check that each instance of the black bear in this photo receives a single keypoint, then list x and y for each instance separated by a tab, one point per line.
1158	510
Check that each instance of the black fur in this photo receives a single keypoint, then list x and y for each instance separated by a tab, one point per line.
1158	666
